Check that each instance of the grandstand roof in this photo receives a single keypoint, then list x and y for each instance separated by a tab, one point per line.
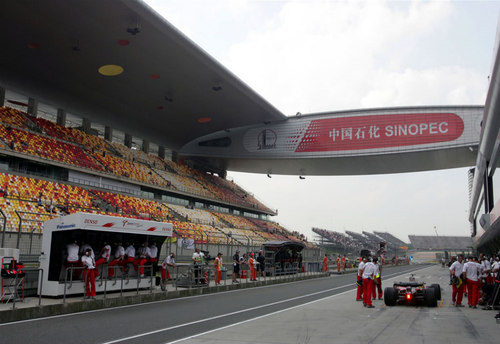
440	242
52	50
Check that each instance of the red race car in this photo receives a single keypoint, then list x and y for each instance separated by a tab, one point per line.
412	293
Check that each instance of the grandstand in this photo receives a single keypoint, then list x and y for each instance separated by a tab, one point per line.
391	239
156	184
374	239
39	138
352	242
337	240
366	242
37	200
421	242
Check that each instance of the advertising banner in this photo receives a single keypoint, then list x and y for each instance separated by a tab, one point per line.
380	131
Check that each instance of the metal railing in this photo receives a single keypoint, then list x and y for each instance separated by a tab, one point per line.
104	280
182	276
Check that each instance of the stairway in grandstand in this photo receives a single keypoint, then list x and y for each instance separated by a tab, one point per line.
175	214
225	223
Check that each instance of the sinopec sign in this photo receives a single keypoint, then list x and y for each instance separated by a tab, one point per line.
380	131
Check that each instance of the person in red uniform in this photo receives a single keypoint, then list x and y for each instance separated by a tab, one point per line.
252	263
118	259
457	285
368	275
471	273
153	255
343	262
144	253
167	265
72	258
129	256
359	282
325	263
89	274
338	264
218	268
103	257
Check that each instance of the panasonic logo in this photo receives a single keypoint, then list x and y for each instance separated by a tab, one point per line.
65	226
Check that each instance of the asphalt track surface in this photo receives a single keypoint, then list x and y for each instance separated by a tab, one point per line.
170	320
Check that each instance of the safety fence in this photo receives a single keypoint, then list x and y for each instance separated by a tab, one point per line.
182	276
126	281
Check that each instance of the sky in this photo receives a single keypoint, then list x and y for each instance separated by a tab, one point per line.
314	56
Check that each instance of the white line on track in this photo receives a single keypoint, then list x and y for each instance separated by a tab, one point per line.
159	301
272	313
259	317
249	309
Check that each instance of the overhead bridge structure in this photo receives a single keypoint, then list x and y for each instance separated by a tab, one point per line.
352	142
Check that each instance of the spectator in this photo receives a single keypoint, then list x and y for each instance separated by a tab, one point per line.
236	266
262	263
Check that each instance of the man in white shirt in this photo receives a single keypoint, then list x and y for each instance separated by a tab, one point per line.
197	258
359	282
129	256
119	258
168	263
456	270
144	252
486	268
368	275
72	252
495	266
153	254
84	248
89	274
471	272
72	258
104	257
153	257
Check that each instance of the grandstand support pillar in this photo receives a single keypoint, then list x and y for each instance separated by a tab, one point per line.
61	117
223	174
2	96
108	133
145	146
86	124
161	152
175	156
128	140
32	106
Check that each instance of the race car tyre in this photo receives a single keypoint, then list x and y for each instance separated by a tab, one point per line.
437	291
430	297
390	296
